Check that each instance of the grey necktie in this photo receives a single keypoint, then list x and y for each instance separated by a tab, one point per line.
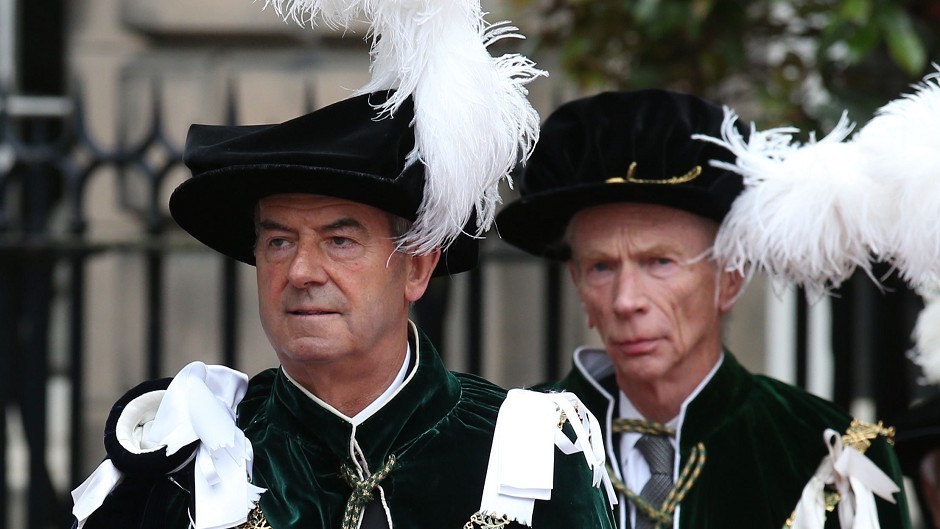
659	454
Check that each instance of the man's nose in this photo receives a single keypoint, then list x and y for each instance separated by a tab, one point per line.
629	295
306	267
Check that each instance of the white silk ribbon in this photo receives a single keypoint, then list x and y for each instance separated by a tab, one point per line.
857	480
87	497
522	457
199	404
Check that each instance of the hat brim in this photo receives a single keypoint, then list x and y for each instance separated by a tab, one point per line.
537	223
217	207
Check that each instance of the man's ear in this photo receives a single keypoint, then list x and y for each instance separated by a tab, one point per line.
729	287
420	268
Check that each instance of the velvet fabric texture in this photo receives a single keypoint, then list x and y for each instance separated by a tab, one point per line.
763	441
341	150
439	426
584	157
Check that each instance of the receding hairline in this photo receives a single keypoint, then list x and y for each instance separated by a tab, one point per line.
565	242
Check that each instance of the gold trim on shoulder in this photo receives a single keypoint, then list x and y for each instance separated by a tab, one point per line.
860	434
486	521
687	177
831	500
563	417
256	520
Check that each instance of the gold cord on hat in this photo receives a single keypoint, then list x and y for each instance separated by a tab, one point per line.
687	177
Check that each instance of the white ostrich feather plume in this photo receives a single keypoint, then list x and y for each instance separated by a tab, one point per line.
901	149
473	121
333	13
807	214
927	338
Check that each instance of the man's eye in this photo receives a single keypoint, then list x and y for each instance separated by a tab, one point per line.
662	265
277	243
341	242
599	267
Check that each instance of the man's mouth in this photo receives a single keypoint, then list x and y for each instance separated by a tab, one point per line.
310	312
637	346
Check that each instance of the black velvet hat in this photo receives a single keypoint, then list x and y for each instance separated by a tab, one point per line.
342	150
619	147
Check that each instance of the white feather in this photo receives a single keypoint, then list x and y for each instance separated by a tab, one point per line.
473	121
333	13
807	214
927	338
901	149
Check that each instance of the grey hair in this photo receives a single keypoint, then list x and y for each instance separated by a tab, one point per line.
398	225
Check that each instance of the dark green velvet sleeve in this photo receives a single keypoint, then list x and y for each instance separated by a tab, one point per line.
761	450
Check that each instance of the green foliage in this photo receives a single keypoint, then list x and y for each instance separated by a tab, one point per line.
801	61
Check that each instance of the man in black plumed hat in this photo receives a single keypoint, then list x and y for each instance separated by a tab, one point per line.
918	447
361	426
618	189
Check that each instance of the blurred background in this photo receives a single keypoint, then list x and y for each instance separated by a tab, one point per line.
99	289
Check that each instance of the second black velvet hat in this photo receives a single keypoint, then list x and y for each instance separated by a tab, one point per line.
632	146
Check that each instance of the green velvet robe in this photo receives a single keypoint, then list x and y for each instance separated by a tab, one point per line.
763	441
439	426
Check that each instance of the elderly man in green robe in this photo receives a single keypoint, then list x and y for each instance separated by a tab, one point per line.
620	190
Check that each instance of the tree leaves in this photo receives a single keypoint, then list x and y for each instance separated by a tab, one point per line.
801	61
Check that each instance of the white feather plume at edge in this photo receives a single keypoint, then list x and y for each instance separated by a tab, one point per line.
808	213
473	121
927	337
901	149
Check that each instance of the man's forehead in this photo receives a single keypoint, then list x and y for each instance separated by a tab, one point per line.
641	223
641	215
322	212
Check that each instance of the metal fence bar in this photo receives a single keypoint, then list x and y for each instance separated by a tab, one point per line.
6	373
230	311
553	304
77	364
230	294
475	320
